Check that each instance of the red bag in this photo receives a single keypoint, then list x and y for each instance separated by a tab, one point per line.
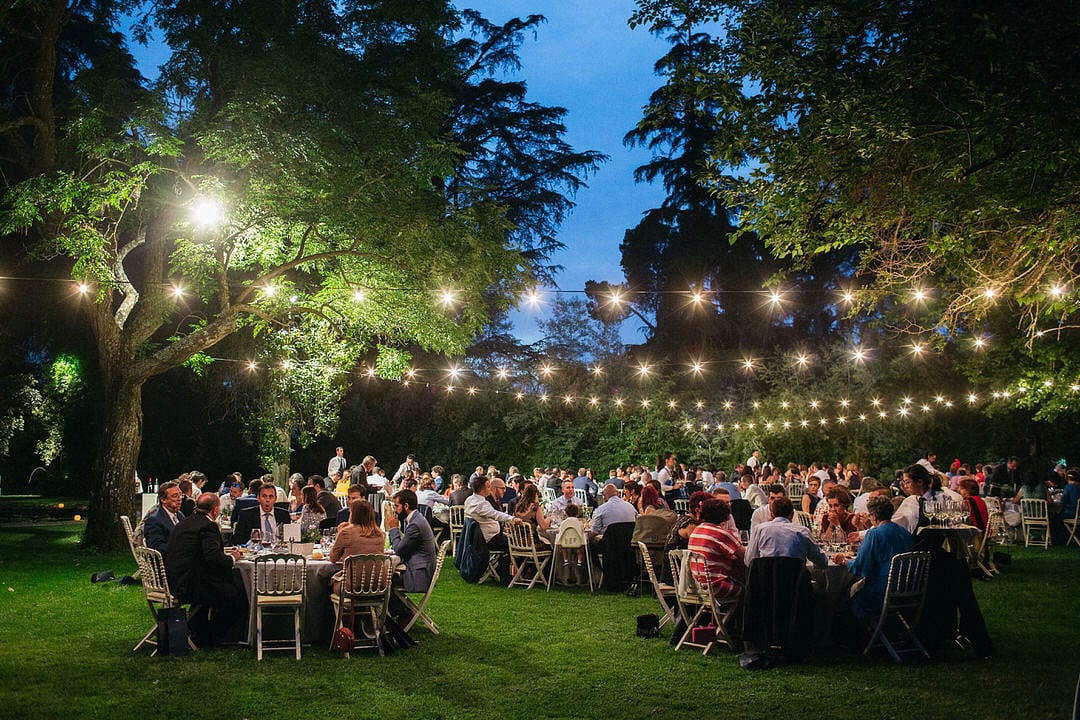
344	639
703	635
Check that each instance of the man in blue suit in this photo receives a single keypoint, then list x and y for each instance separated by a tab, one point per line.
586	483
159	524
413	542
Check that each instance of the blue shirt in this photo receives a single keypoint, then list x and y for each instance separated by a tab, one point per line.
1069	497
610	512
872	562
780	537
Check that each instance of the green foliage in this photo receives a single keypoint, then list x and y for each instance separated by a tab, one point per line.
19	399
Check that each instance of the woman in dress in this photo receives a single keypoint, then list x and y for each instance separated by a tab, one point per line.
296	492
530	510
313	512
810	498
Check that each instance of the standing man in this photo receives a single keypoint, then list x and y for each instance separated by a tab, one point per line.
266	517
200	572
753	461
159	524
337	464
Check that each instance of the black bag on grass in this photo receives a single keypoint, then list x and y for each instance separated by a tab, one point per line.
172	632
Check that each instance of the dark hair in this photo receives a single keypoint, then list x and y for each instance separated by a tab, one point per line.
356	487
714	511
479	483
969	484
919	474
698	497
782	507
185	486
880	507
777	490
1072	474
255	486
165	487
316	480
573	510
840	493
361	513
311	499
407	498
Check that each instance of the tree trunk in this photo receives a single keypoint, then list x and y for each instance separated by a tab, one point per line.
113	489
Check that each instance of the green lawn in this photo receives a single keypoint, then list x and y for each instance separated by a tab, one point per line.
65	652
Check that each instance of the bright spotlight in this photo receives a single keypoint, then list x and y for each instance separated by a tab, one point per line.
207	212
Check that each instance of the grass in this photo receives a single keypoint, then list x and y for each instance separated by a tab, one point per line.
65	652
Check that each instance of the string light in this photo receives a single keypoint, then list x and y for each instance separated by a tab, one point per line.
269	290
83	288
858	354
447	297
546	370
696	367
502	373
748	364
1057	291
643	370
917	349
802	360
532	298
597	370
920	294
471	390
848	297
989	293
207	212
453	371
252	366
177	291
358	295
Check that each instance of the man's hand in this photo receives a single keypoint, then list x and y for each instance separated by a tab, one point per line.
391	521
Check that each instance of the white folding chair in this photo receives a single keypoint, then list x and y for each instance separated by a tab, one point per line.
279	582
457	523
549	495
1036	522
419	610
903	603
365	587
696	602
663	591
521	541
156	591
795	491
582	496
1073	524
125	522
806	520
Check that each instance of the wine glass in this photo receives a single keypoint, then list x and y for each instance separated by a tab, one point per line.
256	538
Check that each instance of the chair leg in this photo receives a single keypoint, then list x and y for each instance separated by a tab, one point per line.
258	632
296	629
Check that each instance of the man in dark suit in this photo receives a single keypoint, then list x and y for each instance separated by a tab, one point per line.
356	492
266	517
413	542
200	573
159	524
461	491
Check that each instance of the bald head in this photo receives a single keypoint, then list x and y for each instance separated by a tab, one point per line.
610	491
207	502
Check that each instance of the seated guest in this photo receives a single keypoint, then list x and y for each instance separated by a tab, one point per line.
248	500
496	490
429	495
437	475
837	514
529	509
752	492
356	492
200	572
360	536
584	481
159	524
413	542
722	483
487	517
654	524
313	512
764	513
876	552
613	510
632	493
869	485
969	490
780	537
327	500
265	517
810	498
461	492
236	490
1071	494
558	508
187	504
723	495
723	552
684	525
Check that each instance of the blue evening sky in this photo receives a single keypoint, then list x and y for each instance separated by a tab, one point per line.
586	59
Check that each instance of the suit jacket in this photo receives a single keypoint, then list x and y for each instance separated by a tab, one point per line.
187	507
459	496
415	545
251	519
157	528
197	567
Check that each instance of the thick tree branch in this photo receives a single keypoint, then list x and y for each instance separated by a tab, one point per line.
131	293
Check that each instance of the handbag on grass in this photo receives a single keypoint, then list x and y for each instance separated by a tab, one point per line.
703	635
172	632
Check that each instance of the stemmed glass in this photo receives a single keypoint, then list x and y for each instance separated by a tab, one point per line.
930	509
256	539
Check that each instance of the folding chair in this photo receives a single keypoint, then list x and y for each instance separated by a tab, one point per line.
365	586
1072	524
582	496
418	610
682	506
806	520
457	523
903	603
1035	522
982	545
696	603
662	590
549	495
521	540
125	522
156	591
795	491
279	582
571	537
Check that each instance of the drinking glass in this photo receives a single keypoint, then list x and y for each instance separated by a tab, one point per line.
256	539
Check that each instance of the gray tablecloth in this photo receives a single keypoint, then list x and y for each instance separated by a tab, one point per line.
318	615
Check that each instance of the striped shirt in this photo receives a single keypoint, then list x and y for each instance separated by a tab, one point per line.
722	551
